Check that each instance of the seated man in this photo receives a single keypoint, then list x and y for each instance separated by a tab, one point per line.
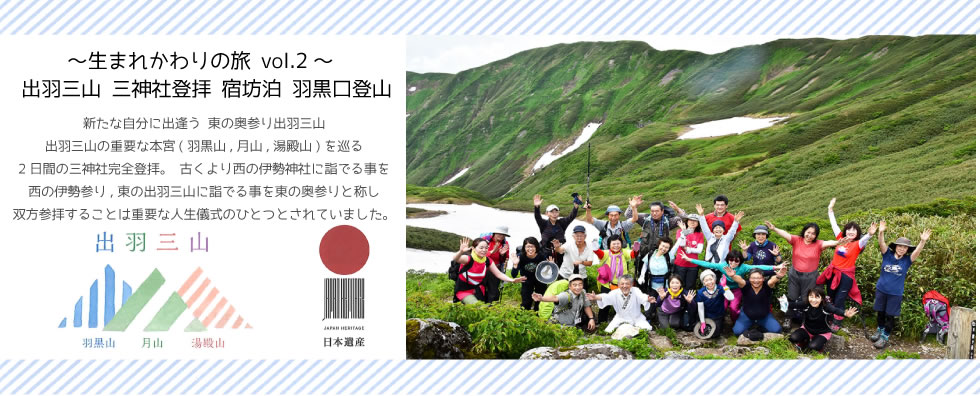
628	303
571	304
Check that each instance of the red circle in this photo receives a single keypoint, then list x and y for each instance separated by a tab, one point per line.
344	250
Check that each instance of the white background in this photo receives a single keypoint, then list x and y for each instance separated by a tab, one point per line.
269	270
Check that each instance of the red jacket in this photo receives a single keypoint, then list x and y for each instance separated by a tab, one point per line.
833	274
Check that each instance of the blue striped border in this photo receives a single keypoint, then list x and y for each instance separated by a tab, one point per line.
399	377
495	17
484	17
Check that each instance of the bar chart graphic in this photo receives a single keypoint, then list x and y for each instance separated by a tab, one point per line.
197	304
82	317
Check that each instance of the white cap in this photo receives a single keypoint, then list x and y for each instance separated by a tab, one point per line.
552	207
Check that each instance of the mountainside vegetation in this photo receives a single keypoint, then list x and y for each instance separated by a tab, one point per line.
878	122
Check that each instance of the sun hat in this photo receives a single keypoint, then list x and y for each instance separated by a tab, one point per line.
501	230
613	208
901	241
761	230
546	272
717	223
552	207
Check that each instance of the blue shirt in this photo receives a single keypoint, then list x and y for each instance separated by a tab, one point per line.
714	307
760	255
893	273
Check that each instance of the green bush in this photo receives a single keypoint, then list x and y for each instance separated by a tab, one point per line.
447	193
429	239
497	330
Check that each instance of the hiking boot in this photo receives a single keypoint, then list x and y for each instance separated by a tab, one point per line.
882	341
877	335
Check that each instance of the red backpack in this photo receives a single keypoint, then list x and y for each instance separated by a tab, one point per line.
937	310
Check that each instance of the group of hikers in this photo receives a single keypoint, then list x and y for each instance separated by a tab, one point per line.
654	281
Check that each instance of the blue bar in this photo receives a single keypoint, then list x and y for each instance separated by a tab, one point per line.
127	291
93	305
110	294
78	313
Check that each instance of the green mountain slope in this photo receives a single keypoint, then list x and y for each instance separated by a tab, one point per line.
877	121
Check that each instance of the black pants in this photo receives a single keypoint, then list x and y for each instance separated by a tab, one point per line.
531	285
802	338
689	277
839	296
886	322
584	324
674	320
493	287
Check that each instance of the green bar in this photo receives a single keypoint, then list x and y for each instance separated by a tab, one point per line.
168	314
136	302
195	326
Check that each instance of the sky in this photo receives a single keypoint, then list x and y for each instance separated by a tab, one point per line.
453	54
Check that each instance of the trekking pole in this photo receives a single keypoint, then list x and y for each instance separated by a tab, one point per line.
588	174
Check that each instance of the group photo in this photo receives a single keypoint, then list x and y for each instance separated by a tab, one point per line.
791	199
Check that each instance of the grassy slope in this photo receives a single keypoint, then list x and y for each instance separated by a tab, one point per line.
904	122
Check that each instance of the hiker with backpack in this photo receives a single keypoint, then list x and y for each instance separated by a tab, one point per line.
806	263
469	270
817	315
499	252
614	225
890	289
571	305
756	300
628	302
655	226
841	275
577	254
552	228
526	263
689	229
613	263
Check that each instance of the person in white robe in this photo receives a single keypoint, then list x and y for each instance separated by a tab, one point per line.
629	304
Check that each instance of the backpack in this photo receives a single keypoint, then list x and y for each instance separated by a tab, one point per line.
646	232
545	308
625	234
936	307
455	270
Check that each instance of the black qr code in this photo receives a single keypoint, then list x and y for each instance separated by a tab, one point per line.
343	298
